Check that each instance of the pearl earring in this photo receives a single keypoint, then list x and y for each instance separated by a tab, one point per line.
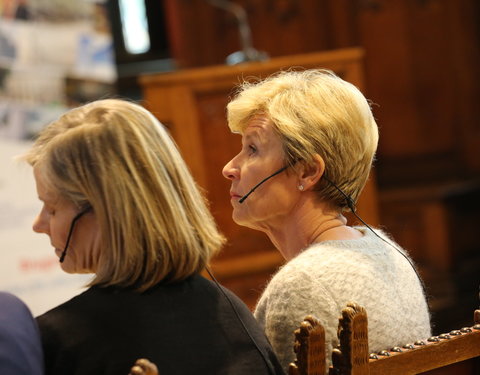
300	187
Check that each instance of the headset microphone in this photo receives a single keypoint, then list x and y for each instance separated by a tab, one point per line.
70	232
261	182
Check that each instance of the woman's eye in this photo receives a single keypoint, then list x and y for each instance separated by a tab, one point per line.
50	211
252	149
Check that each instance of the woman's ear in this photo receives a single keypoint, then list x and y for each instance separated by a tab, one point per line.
310	174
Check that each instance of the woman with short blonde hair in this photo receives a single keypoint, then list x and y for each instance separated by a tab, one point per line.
308	143
315	112
120	203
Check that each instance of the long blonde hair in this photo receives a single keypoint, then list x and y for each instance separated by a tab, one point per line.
115	156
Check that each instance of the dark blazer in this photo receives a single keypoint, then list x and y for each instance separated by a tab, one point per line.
184	328
20	348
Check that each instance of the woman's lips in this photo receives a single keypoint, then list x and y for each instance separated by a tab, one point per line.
234	195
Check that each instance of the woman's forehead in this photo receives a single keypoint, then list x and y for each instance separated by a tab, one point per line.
263	129
45	190
259	124
260	119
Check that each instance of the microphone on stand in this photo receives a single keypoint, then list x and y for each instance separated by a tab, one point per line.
248	53
242	199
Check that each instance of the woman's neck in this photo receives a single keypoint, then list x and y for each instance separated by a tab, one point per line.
311	222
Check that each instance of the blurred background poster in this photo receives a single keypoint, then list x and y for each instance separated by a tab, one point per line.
53	55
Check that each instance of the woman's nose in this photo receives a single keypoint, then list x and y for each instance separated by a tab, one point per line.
229	171
40	225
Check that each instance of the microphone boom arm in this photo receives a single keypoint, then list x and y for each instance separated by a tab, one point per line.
261	182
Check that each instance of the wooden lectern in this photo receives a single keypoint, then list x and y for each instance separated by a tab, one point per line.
191	103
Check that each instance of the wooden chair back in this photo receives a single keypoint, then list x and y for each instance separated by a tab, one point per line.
143	366
310	348
456	352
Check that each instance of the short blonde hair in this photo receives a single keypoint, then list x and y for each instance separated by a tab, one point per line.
315	112
115	156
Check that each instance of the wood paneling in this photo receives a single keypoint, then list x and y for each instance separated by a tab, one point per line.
422	67
422	71
418	73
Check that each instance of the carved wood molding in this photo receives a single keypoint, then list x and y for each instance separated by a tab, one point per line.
353	336
310	348
436	352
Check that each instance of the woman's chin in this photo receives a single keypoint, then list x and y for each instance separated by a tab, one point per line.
240	219
67	268
246	222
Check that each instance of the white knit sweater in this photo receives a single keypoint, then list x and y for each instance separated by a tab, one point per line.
323	278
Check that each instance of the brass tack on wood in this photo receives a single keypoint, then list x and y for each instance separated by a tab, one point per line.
384	353
465	330
444	336
433	339
396	349
408	346
456	332
373	356
476	326
418	343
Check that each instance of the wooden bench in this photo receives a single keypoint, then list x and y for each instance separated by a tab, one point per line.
456	352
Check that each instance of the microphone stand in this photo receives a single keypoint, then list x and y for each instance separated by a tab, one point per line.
248	52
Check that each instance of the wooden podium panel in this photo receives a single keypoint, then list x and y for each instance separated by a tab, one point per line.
192	104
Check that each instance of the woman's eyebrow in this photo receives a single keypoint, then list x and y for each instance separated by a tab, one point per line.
48	199
257	132
249	137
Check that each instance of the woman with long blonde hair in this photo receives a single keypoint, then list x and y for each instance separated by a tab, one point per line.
120	203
